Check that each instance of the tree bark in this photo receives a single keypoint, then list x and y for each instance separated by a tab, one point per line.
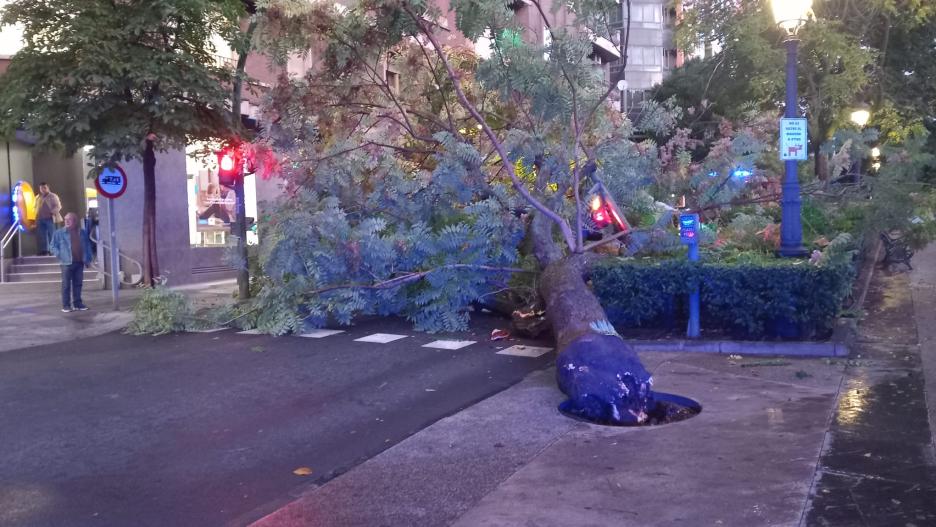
240	222
150	260
601	374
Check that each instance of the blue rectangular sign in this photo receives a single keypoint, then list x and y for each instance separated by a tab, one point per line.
689	228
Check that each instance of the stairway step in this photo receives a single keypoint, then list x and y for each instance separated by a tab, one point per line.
35	268
37	260
43	286
90	274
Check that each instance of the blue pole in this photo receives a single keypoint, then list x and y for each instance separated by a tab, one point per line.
693	330
791	228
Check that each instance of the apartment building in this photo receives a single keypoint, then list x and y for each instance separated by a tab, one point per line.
651	53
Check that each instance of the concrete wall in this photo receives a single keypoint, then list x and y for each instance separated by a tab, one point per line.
65	176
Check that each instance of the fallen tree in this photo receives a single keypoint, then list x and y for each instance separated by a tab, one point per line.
423	177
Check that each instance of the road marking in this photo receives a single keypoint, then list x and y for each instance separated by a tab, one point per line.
212	330
320	333
380	338
449	344
520	350
250	332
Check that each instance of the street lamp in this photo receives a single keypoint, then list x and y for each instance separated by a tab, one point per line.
859	117
790	16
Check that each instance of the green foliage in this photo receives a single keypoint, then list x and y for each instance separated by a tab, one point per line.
747	232
108	73
400	201
903	195
749	298
161	310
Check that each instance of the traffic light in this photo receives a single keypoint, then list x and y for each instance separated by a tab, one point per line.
604	211
230	165
599	213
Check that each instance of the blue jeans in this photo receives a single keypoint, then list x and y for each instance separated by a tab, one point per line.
72	276
44	229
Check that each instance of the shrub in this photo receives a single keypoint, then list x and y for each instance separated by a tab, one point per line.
160	310
749	299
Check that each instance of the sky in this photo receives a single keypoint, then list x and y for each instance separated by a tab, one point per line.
10	37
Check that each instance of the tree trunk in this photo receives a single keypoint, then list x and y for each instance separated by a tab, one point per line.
822	167
601	374
240	221
150	260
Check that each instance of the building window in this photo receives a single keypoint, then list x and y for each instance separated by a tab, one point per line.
645	13
634	99
644	56
393	82
669	16
212	206
669	58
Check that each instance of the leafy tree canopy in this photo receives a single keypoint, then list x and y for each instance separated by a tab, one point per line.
108	73
450	178
874	52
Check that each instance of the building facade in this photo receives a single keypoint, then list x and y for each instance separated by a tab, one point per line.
651	51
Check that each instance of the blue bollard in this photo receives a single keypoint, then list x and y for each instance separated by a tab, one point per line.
689	234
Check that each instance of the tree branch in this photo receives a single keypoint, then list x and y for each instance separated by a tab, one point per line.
564	227
415	276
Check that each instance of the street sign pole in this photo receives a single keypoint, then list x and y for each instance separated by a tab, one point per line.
111	183
114	254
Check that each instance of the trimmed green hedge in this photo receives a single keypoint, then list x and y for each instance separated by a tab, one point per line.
783	298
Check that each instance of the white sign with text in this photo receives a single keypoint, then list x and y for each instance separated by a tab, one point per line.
793	139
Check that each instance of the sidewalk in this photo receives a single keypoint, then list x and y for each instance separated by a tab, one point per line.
809	442
35	318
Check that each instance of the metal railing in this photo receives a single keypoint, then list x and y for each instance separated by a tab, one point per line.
7	238
102	268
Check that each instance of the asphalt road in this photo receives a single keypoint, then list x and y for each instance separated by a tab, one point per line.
207	429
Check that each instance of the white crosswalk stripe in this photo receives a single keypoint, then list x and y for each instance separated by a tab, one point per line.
449	344
520	350
380	338
319	333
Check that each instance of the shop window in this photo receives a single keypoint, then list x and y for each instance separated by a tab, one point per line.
212	207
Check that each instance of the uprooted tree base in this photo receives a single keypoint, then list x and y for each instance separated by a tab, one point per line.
601	374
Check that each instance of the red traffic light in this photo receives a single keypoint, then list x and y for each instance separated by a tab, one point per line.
230	165
604	212
599	213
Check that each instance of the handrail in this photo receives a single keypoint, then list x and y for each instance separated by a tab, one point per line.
101	267
7	238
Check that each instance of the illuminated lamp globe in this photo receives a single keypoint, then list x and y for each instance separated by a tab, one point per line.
860	117
790	15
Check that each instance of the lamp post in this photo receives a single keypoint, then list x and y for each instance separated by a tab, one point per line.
860	118
790	16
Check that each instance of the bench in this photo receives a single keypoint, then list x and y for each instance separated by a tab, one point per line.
896	250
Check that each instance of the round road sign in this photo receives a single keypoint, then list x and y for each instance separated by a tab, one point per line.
111	182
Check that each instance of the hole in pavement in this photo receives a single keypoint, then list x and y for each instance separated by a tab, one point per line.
667	408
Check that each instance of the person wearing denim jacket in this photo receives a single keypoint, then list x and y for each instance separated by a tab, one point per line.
74	257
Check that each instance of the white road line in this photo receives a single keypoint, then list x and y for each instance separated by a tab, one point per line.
380	338
320	333
449	344
520	350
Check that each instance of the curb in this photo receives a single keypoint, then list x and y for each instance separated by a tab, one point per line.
741	347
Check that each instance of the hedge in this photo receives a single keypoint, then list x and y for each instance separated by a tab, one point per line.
783	298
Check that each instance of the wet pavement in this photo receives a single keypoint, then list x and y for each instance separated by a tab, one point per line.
877	465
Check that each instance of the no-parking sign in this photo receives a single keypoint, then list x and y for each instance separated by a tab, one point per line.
111	182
